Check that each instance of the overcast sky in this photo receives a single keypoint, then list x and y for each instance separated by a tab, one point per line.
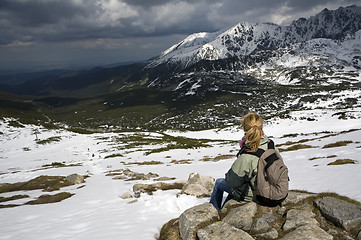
101	32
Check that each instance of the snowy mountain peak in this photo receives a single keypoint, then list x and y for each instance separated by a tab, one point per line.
334	24
247	38
195	39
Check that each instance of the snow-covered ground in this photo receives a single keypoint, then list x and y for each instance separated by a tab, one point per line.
96	211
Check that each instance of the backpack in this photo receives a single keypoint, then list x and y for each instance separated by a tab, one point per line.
272	176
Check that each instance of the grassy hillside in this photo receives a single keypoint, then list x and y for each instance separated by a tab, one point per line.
150	108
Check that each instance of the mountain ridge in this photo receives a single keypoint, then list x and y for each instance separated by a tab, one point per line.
245	38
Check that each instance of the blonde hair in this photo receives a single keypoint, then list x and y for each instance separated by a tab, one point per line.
253	127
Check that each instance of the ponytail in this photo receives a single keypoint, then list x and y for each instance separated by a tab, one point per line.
253	127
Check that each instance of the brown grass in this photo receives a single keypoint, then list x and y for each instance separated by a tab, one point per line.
47	183
15	197
43	199
342	162
113	155
295	147
337	144
144	163
185	161
218	158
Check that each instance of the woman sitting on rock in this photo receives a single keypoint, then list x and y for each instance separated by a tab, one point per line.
241	178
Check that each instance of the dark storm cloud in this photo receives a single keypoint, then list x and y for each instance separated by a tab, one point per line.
152	3
148	3
119	24
66	20
40	20
37	13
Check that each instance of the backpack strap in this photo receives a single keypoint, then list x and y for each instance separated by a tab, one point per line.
246	150
273	157
259	152
271	144
243	150
270	159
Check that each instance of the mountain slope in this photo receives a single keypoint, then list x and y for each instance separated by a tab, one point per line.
321	50
248	38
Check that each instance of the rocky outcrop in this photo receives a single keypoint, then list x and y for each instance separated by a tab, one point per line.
222	230
196	185
343	214
192	219
199	186
310	232
297	218
242	217
129	175
301	216
150	188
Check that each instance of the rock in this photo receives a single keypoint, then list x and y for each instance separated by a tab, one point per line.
295	197
75	178
164	179
241	217
190	219
129	175
222	231
140	176
170	230
345	237
230	205
308	232
126	195
343	214
359	236
149	188
262	223
199	186
296	218
271	234
120	177
282	210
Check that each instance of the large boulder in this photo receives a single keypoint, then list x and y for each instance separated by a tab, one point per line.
222	231
262	223
296	197
193	218
242	217
297	218
75	178
308	232
343	214
261	227
199	186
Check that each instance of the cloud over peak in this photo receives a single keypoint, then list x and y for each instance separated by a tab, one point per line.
110	23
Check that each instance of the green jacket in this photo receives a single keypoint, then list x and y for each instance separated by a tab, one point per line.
243	173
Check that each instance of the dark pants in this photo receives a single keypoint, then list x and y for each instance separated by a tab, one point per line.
217	194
